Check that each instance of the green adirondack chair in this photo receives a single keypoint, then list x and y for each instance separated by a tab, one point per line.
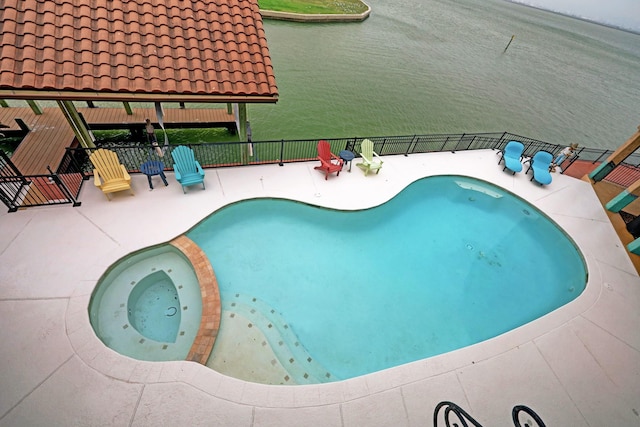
187	169
370	159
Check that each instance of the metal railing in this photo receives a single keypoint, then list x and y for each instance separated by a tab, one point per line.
22	191
223	154
453	415
76	167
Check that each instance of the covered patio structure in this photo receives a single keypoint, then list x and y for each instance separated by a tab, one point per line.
130	52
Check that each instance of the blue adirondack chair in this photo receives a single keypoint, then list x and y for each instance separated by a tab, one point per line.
187	169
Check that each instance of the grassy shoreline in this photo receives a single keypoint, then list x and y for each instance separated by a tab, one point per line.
314	6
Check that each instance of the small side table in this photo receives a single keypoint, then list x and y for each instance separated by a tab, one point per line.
347	156
151	168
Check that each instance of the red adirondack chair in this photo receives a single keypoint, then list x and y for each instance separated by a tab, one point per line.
329	162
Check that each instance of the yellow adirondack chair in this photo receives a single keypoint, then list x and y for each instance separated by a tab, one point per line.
109	174
370	159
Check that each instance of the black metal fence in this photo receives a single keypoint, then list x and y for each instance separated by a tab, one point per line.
75	166
22	191
211	155
224	154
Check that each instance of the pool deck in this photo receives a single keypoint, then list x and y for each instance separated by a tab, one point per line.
577	366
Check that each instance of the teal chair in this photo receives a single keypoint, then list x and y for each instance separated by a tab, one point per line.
512	156
540	164
187	169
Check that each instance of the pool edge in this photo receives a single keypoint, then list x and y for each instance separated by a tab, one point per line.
211	306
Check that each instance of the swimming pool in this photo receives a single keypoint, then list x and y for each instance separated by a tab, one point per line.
449	262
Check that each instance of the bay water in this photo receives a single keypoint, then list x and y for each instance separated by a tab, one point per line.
440	66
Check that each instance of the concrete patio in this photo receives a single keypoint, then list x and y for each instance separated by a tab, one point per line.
577	366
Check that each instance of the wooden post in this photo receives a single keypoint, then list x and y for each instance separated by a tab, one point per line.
624	198
34	107
127	108
508	44
76	123
242	130
23	126
242	121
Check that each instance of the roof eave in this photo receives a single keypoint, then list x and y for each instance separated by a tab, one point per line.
132	97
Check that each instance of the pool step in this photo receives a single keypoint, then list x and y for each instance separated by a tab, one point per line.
295	359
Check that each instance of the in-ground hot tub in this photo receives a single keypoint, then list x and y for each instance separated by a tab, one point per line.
148	305
153	307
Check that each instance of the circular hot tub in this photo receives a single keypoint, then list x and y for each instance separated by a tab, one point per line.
148	305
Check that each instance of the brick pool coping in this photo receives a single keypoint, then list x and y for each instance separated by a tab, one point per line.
211	307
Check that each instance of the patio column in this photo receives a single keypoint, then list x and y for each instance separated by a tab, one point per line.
241	121
618	156
34	107
242	125
76	123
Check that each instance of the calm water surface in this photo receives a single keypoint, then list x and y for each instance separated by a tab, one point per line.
437	66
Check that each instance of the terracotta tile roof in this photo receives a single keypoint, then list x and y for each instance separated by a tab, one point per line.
135	50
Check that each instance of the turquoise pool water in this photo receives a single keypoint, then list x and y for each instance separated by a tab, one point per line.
449	262
153	307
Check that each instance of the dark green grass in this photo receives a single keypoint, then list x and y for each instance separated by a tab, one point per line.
314	6
176	136
9	144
